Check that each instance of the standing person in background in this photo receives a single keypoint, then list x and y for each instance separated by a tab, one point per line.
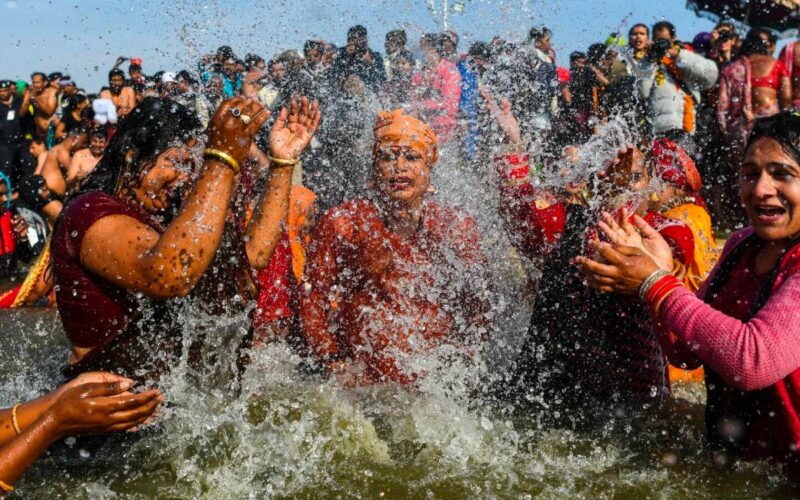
12	145
44	100
790	55
450	46
398	89
638	41
357	58
672	78
437	90
755	85
84	160
119	93
396	41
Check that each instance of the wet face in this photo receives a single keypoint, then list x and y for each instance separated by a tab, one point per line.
401	173
449	47
36	148
404	67
639	38
162	187
5	93
578	64
229	67
97	145
38	83
769	180
116	82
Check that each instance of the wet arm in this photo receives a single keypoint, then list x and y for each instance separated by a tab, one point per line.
134	256
266	226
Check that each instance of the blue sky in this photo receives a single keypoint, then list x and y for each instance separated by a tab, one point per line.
84	37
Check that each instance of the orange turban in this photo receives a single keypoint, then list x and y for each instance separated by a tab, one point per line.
396	127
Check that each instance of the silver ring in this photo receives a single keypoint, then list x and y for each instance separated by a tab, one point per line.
245	119
236	112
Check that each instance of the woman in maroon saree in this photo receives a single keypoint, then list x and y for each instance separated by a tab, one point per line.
141	232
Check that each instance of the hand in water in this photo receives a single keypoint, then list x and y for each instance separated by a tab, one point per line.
102	405
641	236
294	128
503	116
229	133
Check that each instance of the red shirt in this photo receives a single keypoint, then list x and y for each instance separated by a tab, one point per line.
374	296
92	309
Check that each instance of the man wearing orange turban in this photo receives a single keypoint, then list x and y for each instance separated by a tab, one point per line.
385	276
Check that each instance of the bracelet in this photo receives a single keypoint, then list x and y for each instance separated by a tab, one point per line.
661	290
14	421
5	486
651	280
283	162
224	158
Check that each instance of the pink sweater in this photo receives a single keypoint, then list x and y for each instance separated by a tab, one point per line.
748	356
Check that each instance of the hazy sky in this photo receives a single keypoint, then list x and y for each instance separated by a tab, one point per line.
84	37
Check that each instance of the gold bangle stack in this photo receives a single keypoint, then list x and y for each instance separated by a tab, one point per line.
223	157
14	421
283	162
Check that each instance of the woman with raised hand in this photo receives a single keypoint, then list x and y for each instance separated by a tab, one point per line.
151	224
743	325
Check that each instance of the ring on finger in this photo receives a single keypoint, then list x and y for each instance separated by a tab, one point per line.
236	112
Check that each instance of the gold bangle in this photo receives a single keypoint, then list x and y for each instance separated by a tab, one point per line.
14	419
224	157
6	487
283	162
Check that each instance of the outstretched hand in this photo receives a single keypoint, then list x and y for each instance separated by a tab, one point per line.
639	235
294	128
234	126
623	268
102	406
502	114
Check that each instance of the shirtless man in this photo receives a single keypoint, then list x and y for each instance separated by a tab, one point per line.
38	150
84	160
119	93
57	163
44	99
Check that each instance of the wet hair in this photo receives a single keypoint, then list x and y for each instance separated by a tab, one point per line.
225	52
664	25
398	36
357	32
146	132
38	73
135	67
54	76
783	128
87	113
116	72
538	32
74	100
450	35
435	41
638	25
754	44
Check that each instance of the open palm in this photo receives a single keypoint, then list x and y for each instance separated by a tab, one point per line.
639	235
293	129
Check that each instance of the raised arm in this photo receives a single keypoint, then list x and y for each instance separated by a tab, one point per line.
289	136
134	256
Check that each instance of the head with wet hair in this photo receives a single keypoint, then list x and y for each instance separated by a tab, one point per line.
396	41
664	30
151	129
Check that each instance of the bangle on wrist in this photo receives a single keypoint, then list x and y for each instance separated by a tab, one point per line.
223	157
283	162
14	420
650	281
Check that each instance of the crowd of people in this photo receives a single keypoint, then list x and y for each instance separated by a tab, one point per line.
298	189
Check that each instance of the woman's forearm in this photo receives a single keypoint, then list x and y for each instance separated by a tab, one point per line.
266	225
188	246
17	455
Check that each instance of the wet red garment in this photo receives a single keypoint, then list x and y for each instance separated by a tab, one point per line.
378	298
92	309
276	285
8	241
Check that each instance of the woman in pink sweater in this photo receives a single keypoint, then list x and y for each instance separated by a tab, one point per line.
743	325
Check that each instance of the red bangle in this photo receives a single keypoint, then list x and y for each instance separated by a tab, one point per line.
661	289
